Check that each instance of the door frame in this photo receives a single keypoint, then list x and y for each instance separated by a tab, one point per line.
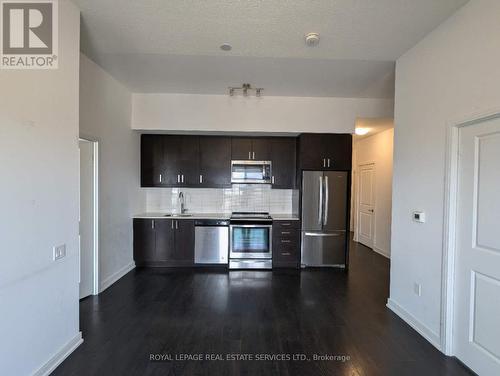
95	241
450	230
358	198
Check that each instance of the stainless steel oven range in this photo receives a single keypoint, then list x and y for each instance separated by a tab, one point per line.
250	241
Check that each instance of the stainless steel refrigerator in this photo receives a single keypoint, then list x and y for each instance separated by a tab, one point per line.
324	218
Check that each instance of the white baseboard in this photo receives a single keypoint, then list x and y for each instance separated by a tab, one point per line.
116	276
59	357
381	252
411	320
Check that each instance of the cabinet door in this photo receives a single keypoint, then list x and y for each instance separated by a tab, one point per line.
184	242
261	149
144	241
187	160
215	161
151	160
283	160
241	148
170	165
312	151
165	246
339	152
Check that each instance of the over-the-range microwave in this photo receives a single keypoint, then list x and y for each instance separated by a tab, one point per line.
251	172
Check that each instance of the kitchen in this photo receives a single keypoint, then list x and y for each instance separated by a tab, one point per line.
244	202
177	188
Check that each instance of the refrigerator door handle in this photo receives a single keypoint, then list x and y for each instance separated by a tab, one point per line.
322	234
327	198
320	206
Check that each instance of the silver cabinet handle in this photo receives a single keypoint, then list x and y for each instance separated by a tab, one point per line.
160	178
286	254
178	178
320	204
328	162
253	155
286	224
286	241
272	180
153	224
182	178
324	162
176	225
249	155
285	232
201	179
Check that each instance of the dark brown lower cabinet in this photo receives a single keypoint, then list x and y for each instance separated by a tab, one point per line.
286	244
163	242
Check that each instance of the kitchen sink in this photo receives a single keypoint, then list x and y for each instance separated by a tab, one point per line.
177	215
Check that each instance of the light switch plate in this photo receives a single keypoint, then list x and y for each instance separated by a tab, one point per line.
59	252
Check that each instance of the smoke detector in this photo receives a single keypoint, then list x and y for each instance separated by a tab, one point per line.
312	39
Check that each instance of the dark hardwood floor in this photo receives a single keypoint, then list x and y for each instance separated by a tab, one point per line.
325	312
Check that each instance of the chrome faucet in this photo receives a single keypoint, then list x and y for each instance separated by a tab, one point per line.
182	202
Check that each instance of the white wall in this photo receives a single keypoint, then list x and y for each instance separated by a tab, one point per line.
105	111
450	75
266	114
39	200
378	149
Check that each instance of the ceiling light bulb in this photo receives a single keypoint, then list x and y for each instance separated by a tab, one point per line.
362	131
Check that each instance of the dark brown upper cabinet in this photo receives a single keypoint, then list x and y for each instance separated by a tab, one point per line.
325	152
214	161
188	161
151	160
247	148
283	158
169	161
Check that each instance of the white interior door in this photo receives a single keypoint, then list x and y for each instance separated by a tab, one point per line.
366	206
86	218
476	332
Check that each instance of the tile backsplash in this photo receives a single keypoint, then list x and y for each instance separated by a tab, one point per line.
239	197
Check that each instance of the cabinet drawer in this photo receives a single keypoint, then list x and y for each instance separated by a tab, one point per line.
286	233
286	225
286	256
286	248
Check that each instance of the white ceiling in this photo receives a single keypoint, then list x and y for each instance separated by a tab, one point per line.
173	46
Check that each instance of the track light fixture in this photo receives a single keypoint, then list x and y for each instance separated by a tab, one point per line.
246	90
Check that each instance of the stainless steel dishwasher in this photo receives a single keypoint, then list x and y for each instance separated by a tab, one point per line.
211	243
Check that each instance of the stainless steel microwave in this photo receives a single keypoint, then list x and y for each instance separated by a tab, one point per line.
251	172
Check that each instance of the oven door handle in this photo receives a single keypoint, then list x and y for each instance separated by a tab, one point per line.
251	226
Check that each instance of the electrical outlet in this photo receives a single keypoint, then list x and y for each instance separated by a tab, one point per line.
59	252
417	289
